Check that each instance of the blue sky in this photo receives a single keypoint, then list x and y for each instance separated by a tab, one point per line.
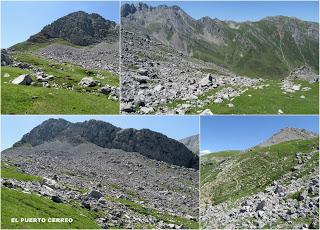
246	10
20	20
242	132
176	127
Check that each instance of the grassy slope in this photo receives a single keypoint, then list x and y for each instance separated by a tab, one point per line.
17	99
8	171
31	46
16	204
190	224
268	101
210	162
265	59
21	205
254	170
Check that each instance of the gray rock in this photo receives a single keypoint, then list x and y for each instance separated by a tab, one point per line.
261	205
5	58
88	82
218	100
106	90
23	79
95	194
143	72
56	199
303	195
206	112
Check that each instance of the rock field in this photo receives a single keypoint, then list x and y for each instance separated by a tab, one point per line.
284	204
154	74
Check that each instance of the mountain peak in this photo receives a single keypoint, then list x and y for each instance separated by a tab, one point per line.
103	134
79	28
288	134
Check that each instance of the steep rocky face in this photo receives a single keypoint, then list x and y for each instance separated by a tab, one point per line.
288	134
192	143
270	48
146	142
79	28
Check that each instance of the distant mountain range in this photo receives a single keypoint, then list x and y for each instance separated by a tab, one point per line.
79	28
269	48
146	142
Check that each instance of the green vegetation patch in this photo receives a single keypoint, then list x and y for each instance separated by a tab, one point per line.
33	46
8	171
20	99
267	101
254	170
65	72
16	204
168	218
209	168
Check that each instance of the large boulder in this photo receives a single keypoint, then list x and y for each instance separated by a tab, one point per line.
206	81
95	194
88	82
23	79
56	199
5	58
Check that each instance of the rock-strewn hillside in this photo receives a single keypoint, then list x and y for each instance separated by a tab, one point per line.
276	186
288	134
146	142
120	189
174	64
269	48
79	28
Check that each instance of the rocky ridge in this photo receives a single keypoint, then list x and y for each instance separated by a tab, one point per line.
79	28
233	44
144	141
288	134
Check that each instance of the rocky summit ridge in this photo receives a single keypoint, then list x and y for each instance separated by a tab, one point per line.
151	144
79	28
288	134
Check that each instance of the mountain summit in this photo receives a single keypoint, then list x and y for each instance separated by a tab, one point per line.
146	142
79	28
288	134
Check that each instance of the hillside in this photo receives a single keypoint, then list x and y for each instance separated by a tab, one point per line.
70	67
115	178
269	48
174	64
265	187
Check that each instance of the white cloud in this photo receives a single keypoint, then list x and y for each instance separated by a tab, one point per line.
205	151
